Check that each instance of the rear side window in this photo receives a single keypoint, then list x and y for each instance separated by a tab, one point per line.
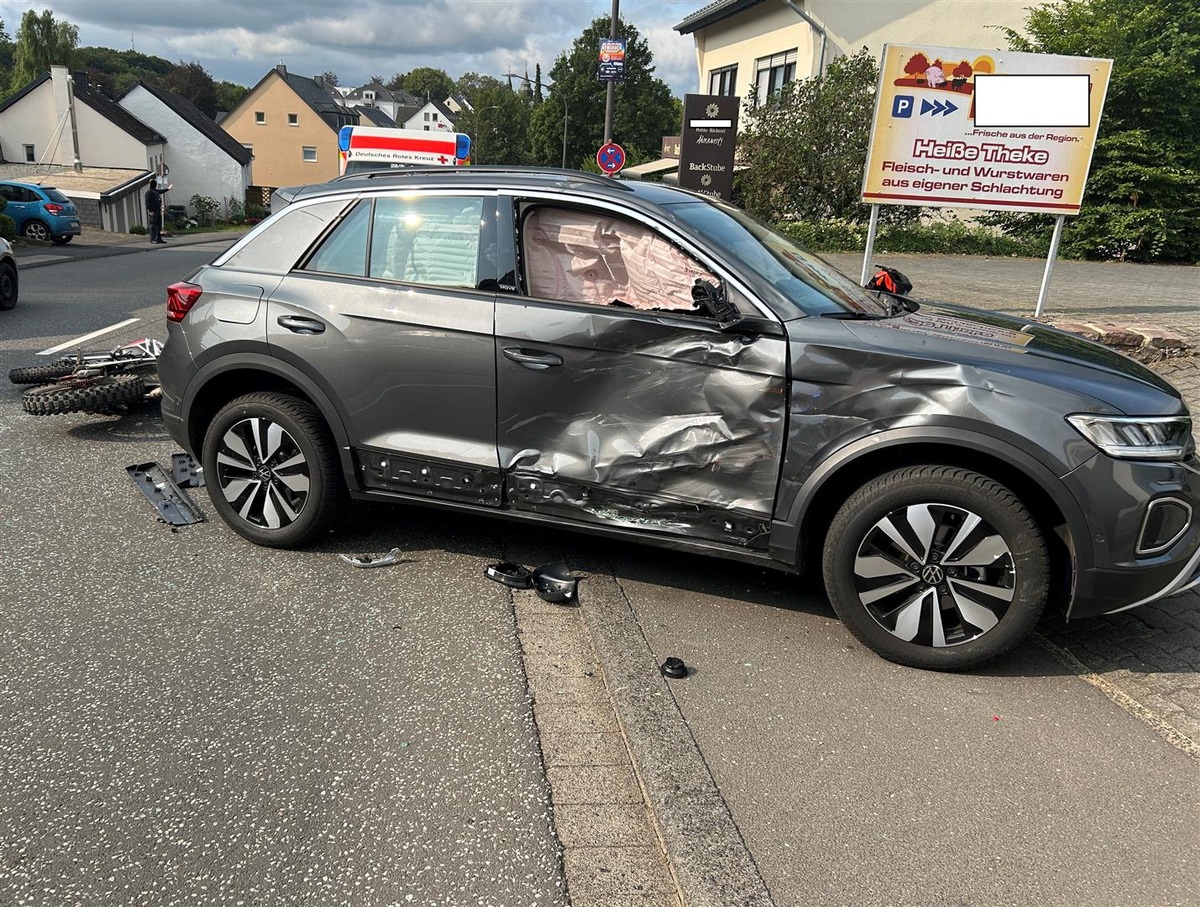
283	240
344	251
431	240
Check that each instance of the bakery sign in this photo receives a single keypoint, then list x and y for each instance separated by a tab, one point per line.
984	129
707	144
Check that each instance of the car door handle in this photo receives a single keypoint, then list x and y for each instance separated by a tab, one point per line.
531	359
301	325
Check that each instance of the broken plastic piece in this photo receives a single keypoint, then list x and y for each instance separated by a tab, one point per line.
367	560
674	668
507	573
556	583
186	471
173	506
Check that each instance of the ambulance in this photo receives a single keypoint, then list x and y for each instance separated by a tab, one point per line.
362	148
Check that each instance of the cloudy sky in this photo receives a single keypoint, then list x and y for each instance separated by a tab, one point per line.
240	40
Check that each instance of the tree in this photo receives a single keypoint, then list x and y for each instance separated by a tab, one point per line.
424	82
229	95
643	109
1141	200
42	42
471	84
192	81
329	77
498	125
806	146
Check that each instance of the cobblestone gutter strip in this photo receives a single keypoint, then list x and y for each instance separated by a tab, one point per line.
1148	717
709	858
612	856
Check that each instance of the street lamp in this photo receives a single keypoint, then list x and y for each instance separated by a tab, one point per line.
526	79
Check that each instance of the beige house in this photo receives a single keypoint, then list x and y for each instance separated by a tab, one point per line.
746	44
290	123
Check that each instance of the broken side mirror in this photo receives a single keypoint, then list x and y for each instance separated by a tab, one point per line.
712	299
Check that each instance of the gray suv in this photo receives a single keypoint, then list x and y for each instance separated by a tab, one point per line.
654	365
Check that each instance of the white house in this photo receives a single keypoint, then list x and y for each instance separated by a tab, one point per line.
396	103
36	127
203	158
433	116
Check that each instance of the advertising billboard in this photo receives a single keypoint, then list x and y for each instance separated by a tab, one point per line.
612	60
929	144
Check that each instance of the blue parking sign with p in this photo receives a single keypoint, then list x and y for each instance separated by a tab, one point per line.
902	106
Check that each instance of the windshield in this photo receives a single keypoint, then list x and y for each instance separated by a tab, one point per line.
806	280
54	195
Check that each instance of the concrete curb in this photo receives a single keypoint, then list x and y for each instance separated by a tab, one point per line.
709	858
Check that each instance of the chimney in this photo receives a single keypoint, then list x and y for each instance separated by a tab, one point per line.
81	80
281	69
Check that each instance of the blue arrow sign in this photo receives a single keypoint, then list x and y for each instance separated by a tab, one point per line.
945	108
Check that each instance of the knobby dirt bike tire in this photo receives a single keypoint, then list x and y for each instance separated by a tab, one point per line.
105	395
40	374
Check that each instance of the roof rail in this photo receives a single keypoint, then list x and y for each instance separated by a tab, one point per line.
582	176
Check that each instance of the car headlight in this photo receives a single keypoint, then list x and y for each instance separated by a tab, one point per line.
1137	437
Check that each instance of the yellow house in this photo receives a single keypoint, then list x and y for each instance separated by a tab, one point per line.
290	123
765	44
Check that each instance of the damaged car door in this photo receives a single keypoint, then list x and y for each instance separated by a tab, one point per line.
620	403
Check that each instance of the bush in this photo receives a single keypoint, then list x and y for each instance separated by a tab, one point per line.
952	238
8	227
137	230
206	209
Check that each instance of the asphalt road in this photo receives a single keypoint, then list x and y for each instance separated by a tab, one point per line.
188	719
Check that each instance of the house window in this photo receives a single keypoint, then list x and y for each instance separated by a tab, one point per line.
30	157
722	81
260	117
426	116
369	95
310	153
293	119
774	72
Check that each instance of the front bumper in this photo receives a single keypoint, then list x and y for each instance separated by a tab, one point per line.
1114	572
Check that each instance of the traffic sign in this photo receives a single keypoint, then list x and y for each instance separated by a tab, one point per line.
611	158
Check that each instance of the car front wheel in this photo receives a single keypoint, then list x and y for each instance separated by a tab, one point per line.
8	285
272	469
936	567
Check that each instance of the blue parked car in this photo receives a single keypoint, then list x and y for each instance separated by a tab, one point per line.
41	212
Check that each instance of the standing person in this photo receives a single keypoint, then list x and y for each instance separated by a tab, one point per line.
154	211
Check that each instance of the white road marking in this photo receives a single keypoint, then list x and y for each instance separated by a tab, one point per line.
86	337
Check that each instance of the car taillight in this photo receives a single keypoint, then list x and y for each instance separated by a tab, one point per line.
180	299
52	208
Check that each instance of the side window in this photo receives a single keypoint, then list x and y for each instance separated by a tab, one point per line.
275	247
431	240
587	257
344	251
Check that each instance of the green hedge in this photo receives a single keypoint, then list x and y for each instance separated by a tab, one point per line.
8	227
953	237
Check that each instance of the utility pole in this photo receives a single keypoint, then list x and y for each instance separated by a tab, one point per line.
608	99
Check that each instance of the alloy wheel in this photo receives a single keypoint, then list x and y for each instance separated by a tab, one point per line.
35	229
934	574
263	473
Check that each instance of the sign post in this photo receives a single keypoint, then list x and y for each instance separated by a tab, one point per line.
707	144
984	129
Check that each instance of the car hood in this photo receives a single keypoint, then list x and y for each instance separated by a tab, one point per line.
1023	349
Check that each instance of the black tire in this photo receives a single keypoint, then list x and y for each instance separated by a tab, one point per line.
106	395
37	231
62	240
40	374
936	567
272	470
9	285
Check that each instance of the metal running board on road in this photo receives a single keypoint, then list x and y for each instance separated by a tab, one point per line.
173	506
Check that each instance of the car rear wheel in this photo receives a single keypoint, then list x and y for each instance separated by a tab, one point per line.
8	285
35	229
936	567
272	470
